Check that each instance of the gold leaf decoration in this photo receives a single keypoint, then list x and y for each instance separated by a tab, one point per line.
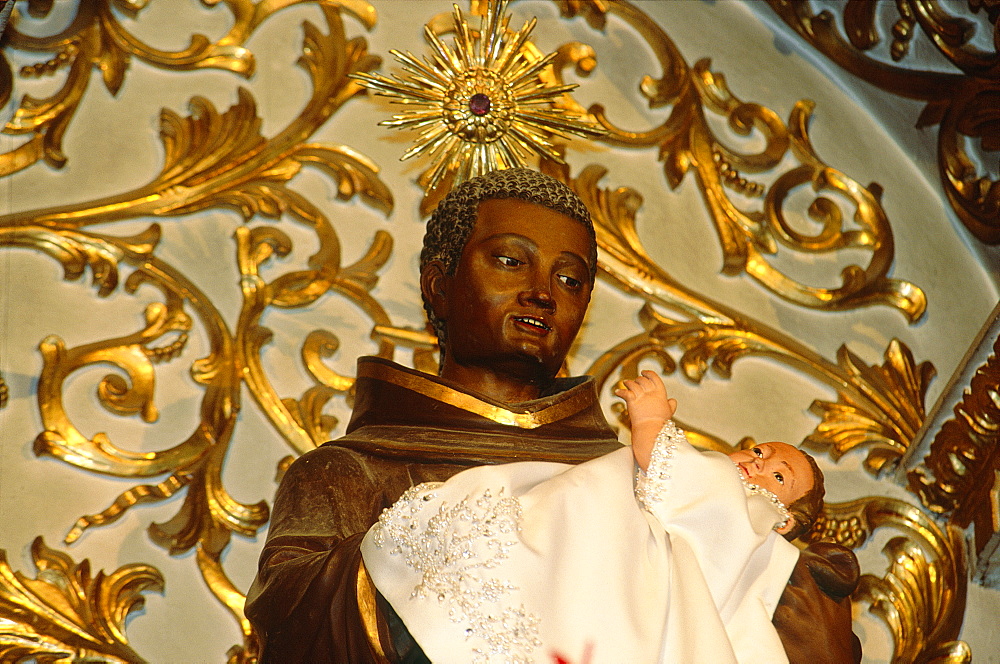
219	158
301	421
212	159
208	514
921	598
97	39
963	103
880	406
479	104
134	354
911	591
68	614
750	234
899	386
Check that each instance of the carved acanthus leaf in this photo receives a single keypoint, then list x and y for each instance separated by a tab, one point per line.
897	389
96	39
212	159
67	614
921	597
217	159
750	234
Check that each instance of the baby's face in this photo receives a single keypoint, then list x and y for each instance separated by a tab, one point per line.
778	467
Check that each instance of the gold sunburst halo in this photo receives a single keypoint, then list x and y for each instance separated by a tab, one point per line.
480	105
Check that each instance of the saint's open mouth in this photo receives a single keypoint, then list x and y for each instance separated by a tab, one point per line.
536	323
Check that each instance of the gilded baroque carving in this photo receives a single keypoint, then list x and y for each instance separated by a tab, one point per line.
959	477
881	408
95	38
922	596
470	125
68	614
962	103
962	453
212	159
221	159
748	236
898	388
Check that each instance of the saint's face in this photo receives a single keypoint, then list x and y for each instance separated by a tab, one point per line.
520	291
778	467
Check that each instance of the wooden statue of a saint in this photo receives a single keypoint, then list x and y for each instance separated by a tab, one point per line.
507	268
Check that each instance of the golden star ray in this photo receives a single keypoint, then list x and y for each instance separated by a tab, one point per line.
479	104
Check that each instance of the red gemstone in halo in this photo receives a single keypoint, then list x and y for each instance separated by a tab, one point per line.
479	104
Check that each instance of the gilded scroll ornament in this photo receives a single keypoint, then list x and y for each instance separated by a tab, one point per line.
880	407
468	104
921	598
480	105
302	421
887	430
208	515
748	236
97	39
963	104
68	614
212	159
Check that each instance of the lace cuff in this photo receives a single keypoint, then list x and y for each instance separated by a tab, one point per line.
651	483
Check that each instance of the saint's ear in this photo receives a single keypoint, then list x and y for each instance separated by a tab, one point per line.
434	285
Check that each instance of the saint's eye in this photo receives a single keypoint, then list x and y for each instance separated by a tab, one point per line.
570	281
780	478
508	261
759	452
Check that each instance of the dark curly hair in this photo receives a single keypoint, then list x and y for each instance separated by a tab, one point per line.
806	509
452	222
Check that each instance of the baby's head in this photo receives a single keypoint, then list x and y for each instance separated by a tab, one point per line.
791	475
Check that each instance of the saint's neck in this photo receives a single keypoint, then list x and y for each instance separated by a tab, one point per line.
497	385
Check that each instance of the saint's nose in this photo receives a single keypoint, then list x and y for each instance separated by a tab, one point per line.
539	296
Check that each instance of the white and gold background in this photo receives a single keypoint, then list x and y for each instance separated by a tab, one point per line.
202	225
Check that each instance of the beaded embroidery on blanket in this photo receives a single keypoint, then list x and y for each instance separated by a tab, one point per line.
753	489
651	484
451	549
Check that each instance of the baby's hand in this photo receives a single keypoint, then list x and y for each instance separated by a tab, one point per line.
646	398
648	409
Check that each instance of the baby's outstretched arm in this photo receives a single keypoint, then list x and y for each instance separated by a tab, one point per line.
648	409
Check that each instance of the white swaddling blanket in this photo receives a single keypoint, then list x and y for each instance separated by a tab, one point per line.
524	561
